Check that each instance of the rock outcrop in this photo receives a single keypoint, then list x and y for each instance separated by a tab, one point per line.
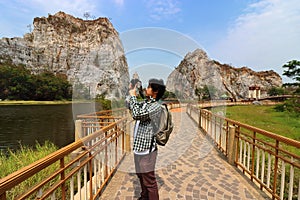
196	70
89	52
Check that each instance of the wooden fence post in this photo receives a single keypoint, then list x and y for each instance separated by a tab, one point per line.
127	135
78	130
231	145
199	120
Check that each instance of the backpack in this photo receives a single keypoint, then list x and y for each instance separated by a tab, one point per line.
165	127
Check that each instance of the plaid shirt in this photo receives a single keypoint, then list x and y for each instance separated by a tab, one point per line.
144	111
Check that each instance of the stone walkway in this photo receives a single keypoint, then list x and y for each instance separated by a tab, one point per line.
188	167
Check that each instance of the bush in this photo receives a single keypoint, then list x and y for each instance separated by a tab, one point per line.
274	91
169	95
280	108
105	104
292	106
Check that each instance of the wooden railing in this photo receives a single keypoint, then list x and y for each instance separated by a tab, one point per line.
78	171
270	160
92	122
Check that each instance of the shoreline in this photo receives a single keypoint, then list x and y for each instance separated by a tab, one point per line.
31	102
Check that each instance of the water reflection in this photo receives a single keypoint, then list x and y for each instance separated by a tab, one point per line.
28	124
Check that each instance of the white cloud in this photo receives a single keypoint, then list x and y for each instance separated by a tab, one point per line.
163	9
265	37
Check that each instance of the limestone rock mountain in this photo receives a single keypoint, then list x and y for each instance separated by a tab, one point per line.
88	52
196	70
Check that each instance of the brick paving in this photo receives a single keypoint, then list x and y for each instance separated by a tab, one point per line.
188	167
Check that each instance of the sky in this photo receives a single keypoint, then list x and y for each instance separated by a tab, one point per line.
259	34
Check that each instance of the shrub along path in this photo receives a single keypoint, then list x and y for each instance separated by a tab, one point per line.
188	167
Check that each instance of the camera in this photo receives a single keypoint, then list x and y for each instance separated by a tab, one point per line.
138	85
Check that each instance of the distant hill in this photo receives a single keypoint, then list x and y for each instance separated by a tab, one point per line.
88	52
196	70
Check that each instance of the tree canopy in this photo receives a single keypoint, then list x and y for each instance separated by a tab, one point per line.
292	105
17	83
292	70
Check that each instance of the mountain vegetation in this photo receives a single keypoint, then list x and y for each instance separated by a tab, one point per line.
18	83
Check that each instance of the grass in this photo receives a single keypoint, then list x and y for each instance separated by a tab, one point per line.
265	117
30	102
21	158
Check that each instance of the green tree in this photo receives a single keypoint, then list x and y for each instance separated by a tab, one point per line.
206	92
292	71
274	91
17	83
201	93
51	87
80	91
86	15
169	95
5	75
104	104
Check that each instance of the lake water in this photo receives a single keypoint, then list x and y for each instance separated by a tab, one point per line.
28	124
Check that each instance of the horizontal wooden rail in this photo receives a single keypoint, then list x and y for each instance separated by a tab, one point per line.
83	168
270	160
116	112
78	171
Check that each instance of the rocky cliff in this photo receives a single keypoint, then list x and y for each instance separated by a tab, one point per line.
196	70
89	52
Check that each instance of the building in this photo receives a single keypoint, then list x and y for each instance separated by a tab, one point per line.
254	92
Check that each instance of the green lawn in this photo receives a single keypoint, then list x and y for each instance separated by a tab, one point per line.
265	117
